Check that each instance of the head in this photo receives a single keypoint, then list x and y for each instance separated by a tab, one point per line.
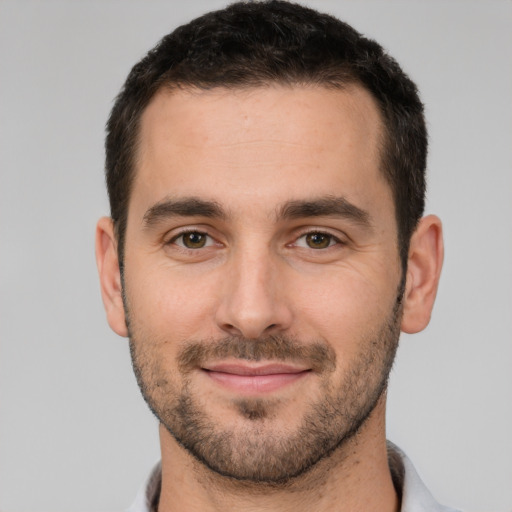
265	166
252	44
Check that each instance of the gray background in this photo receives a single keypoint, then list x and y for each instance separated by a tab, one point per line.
74	433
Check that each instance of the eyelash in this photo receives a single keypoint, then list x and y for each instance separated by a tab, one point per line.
175	238
333	240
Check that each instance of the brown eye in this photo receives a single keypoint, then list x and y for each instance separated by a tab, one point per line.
192	240
318	240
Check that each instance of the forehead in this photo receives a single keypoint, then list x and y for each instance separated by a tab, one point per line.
208	116
282	142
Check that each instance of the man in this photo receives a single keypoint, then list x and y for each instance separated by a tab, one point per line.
266	246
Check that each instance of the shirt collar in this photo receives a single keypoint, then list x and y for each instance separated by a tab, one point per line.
414	494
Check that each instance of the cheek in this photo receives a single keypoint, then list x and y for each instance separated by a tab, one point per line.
168	303
344	308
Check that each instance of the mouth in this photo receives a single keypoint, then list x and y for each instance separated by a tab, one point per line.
249	379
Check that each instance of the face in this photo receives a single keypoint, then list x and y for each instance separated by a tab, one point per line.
262	277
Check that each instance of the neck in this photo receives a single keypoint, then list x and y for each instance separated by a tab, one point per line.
354	477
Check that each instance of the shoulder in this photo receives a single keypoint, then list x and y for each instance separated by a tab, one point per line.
415	495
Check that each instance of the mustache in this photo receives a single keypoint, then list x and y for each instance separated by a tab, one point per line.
318	356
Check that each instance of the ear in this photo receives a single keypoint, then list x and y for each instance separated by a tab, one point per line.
426	253
110	275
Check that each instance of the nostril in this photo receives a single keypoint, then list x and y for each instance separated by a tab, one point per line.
231	329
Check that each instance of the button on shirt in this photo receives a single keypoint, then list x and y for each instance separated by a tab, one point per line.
414	495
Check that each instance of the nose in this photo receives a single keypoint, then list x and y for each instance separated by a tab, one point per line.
253	301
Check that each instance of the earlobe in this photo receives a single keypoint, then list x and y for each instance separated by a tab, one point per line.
425	261
110	276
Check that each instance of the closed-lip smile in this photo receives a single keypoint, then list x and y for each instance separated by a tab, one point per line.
246	378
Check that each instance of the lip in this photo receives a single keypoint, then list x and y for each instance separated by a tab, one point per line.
254	379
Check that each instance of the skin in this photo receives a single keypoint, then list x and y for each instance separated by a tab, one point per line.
252	152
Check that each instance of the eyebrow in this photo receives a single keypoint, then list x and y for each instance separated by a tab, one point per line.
329	206
185	207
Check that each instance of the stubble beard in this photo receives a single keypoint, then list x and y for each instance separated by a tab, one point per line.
256	452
